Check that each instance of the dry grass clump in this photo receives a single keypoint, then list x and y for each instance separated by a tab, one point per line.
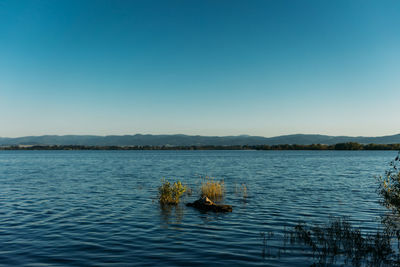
212	189
169	194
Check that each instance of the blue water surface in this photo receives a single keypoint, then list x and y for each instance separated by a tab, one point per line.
99	208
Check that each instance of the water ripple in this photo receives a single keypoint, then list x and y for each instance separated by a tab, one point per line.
99	208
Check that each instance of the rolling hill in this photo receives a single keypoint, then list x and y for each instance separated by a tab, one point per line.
191	140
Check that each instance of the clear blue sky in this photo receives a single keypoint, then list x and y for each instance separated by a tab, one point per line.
199	67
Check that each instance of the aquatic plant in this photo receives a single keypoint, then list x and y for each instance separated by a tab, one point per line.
339	238
389	190
212	189
169	194
389	186
265	237
241	190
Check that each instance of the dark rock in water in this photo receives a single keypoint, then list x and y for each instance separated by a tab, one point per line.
205	204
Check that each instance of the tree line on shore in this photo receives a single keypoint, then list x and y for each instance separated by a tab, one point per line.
339	146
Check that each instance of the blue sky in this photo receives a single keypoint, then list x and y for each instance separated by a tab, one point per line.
199	67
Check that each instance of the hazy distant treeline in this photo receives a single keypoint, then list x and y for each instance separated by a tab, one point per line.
340	146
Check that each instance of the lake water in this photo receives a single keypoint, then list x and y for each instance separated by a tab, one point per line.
99	208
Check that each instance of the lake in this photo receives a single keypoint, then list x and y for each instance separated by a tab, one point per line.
100	208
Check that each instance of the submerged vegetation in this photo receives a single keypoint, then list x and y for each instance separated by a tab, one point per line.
266	250
339	238
241	190
169	194
212	188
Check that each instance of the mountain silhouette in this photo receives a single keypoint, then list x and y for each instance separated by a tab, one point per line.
192	140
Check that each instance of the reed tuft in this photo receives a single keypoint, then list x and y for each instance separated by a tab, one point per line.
169	194
212	189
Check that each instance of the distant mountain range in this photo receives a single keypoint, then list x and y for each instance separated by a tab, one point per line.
192	140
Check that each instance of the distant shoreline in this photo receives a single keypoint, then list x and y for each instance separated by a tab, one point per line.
339	146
